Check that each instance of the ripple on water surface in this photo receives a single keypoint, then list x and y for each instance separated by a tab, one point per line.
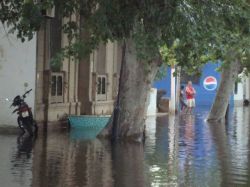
179	151
16	162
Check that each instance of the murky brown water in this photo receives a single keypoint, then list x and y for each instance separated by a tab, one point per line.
184	151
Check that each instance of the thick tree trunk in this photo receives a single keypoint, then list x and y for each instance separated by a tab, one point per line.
135	83
228	77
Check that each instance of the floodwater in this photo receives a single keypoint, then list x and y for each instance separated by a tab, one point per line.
179	151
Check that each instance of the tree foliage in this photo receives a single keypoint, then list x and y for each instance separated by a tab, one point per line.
205	30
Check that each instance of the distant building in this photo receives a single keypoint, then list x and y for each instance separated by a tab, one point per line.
206	86
242	90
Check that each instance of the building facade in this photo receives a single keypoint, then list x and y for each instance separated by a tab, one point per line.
206	85
56	87
241	90
88	86
98	80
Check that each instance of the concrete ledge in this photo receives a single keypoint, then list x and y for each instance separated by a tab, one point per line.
9	129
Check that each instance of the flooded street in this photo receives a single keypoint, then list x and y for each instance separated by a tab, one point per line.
179	151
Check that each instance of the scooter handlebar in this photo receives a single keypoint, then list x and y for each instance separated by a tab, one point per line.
26	93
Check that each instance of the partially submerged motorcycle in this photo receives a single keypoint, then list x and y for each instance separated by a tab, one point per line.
25	118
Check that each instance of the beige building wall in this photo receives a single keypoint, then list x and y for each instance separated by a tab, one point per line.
103	63
88	87
84	85
40	74
51	105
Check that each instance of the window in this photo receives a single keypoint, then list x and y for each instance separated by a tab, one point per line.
101	87
57	87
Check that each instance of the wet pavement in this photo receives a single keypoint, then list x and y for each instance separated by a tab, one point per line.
179	151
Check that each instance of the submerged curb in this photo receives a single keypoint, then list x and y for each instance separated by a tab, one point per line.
8	129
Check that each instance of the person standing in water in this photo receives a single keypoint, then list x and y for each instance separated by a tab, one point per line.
190	94
182	99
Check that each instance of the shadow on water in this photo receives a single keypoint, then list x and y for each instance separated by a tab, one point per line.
179	151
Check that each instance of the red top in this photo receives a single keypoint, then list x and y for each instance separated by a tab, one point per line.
190	92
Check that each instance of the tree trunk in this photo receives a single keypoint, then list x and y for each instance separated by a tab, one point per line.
135	82
228	77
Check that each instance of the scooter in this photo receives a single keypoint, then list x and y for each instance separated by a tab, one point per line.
25	118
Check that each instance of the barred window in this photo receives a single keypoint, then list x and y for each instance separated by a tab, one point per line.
57	87
101	87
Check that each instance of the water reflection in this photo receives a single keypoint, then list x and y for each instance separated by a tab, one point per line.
24	146
179	151
87	163
161	159
22	159
128	165
232	148
197	163
214	154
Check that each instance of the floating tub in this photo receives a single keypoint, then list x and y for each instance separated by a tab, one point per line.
86	127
